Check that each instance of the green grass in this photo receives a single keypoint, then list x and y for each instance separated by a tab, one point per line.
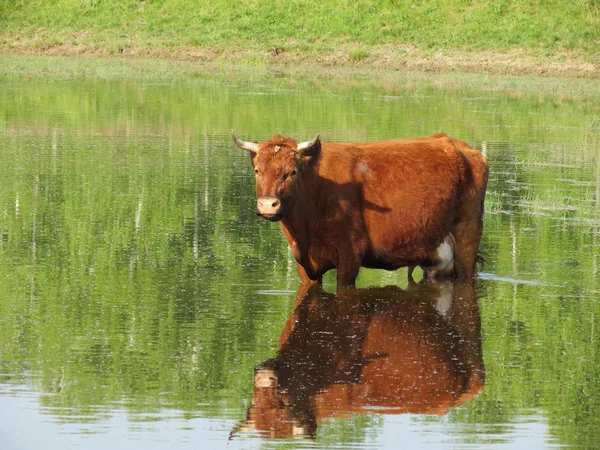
358	54
220	26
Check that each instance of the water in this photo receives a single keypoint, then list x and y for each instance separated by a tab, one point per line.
138	291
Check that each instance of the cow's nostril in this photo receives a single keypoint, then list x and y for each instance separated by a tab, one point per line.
275	202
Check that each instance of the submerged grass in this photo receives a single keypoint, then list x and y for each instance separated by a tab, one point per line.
163	69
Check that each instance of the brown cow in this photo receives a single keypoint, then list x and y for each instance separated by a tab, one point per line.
381	205
383	350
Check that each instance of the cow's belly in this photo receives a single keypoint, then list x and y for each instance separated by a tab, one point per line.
410	227
386	261
391	248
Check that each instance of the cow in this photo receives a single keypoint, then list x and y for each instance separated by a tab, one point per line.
380	205
379	349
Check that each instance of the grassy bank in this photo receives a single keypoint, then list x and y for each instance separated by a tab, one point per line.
507	36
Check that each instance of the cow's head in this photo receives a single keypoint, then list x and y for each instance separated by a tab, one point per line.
279	165
274	412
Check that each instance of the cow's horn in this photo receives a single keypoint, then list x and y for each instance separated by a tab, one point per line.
308	144
250	146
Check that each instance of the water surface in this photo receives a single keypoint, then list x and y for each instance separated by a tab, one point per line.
138	290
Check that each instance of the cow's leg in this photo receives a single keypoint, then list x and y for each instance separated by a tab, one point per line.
305	278
468	235
468	231
411	269
347	271
469	225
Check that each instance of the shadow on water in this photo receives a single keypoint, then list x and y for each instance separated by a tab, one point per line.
376	350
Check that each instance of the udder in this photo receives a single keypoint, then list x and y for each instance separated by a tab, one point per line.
443	261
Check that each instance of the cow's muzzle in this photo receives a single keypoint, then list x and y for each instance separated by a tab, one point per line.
269	207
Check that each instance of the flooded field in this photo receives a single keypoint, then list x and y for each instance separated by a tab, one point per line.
139	291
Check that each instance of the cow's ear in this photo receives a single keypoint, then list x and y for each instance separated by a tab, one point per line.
309	148
253	157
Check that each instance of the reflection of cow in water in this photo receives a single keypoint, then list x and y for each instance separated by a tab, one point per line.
371	350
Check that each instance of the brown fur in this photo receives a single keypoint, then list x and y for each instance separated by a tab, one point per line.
380	205
371	348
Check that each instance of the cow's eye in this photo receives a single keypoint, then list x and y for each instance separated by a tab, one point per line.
256	171
293	173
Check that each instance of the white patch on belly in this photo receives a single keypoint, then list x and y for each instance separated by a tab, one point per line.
445	254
